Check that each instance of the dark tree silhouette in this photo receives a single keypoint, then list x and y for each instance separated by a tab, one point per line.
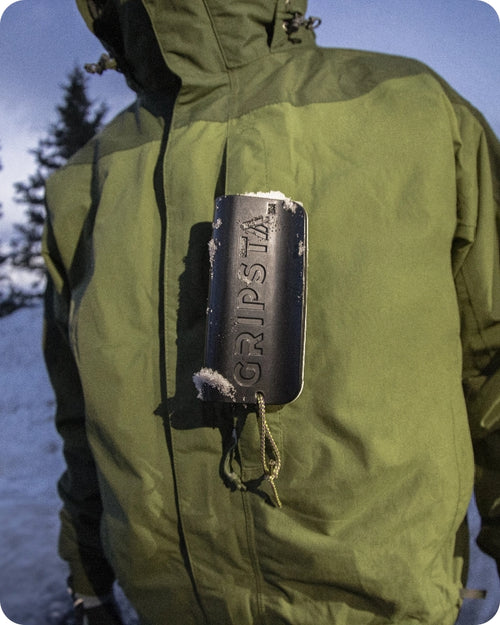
78	120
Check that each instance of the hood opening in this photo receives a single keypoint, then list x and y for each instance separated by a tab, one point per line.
155	42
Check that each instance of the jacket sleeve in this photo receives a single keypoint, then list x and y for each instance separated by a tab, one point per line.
477	274
79	540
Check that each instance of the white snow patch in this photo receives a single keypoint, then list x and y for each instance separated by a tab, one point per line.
271	195
212	250
214	379
288	203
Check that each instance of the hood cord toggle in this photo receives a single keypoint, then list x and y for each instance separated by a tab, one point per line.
272	467
105	62
298	21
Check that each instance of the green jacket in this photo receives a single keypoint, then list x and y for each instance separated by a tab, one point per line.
397	174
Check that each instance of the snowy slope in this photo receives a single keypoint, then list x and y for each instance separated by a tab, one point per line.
32	578
31	574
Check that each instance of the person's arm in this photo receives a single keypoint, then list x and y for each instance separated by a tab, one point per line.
477	273
79	541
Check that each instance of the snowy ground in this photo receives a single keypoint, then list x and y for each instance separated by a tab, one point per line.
32	578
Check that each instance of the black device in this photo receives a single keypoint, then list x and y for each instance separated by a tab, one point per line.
257	301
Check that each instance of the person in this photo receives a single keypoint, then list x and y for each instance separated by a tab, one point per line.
400	407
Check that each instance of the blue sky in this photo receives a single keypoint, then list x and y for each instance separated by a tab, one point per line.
42	40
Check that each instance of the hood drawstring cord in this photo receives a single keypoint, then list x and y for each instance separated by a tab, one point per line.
298	21
104	63
272	467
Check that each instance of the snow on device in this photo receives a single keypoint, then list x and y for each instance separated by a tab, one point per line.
256	308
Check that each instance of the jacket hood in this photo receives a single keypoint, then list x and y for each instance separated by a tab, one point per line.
153	39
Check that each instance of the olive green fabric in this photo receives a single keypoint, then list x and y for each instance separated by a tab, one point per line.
397	174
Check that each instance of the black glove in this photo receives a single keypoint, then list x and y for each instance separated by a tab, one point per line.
105	613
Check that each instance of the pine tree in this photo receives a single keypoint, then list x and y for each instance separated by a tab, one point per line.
78	121
23	274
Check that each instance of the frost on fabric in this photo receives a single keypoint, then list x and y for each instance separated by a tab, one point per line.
213	379
212	249
288	203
